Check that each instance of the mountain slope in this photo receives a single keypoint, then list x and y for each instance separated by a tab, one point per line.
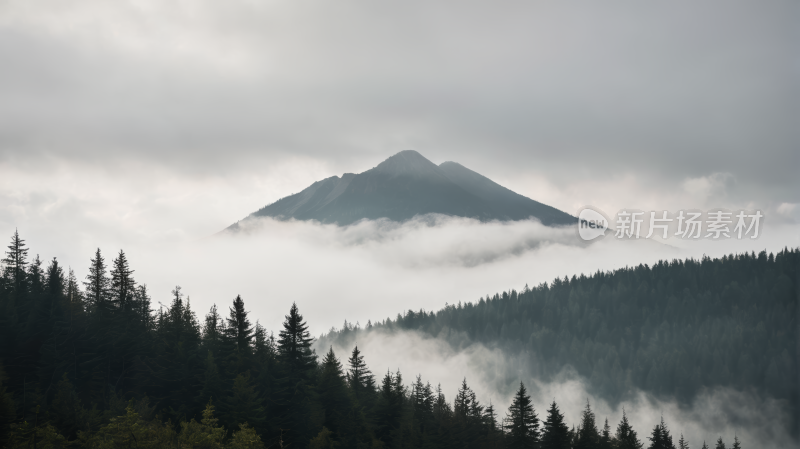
406	185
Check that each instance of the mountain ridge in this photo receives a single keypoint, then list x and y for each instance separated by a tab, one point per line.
406	185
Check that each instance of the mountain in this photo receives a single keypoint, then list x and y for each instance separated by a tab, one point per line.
405	185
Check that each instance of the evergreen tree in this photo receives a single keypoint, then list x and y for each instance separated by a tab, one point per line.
626	436
555	433
587	437
389	408
294	345
98	286
239	327
295	390
142	307
606	441
15	266
333	394
720	444
705	446
736	443
123	287
522	424
360	378
213	329
682	443
661	438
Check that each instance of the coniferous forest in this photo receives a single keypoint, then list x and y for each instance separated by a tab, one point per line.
89	363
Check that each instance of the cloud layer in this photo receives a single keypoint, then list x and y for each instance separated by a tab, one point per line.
641	99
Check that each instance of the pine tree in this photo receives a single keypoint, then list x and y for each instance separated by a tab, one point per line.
720	444
295	390
522	424
15	263
587	437
294	345
333	393
705	446
141	307
555	433
661	438
123	287
98	286
389	408
360	378
239	327
56	283
682	443
213	329
606	442
626	436
736	443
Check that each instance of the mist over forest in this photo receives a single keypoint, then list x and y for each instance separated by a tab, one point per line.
82	358
692	332
351	224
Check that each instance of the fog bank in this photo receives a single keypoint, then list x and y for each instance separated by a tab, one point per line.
495	375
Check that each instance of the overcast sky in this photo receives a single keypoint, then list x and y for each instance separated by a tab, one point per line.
149	124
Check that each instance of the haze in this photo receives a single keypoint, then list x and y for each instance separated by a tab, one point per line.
149	126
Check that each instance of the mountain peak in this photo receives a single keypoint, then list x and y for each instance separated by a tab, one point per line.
407	185
408	163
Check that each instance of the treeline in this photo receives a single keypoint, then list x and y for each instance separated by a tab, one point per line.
671	329
90	364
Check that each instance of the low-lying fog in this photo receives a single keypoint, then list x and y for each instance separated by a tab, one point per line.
374	270
494	376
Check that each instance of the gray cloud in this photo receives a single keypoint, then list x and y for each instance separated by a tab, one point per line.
663	93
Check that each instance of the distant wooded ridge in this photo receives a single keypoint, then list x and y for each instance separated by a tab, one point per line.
408	185
671	329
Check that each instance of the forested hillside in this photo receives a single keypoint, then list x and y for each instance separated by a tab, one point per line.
671	329
90	364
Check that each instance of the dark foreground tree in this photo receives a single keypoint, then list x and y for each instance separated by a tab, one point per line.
295	395
626	437
522	424
555	433
587	436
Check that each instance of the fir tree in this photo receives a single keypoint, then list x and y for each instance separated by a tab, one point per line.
661	438
626	437
295	390
522	424
333	393
389	408
682	443
239	327
294	345
98	285
360	378
213	330
736	443
15	265
555	433
720	444
605	437
587	437
123	287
